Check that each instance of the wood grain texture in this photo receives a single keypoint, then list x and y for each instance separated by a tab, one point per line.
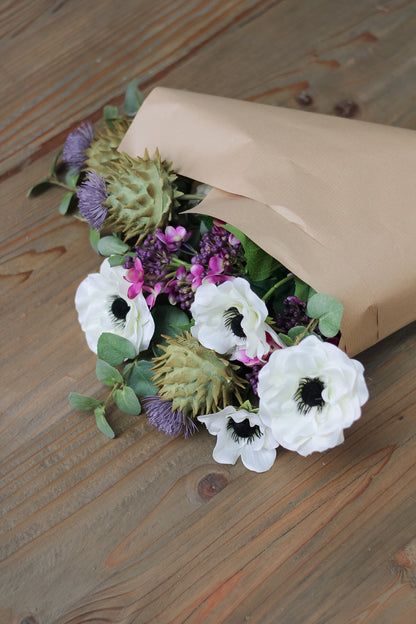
144	528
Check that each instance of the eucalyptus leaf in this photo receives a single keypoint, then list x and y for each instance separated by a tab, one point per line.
139	378
114	349
133	99
65	203
288	341
294	332
94	238
127	401
82	402
329	312
109	245
102	423
110	113
107	374
39	188
117	260
71	177
55	162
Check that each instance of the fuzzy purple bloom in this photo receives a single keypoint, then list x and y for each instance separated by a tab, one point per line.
160	415
91	194
75	145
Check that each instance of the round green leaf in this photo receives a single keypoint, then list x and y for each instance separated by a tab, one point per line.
102	423
114	349
109	245
107	374
65	203
139	378
82	402
94	238
329	312
127	401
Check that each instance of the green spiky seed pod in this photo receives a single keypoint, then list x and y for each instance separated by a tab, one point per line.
103	148
197	380
141	195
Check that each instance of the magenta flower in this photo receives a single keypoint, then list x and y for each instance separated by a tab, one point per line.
173	237
136	277
154	292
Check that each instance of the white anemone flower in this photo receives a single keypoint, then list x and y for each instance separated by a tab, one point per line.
309	394
103	306
240	433
231	317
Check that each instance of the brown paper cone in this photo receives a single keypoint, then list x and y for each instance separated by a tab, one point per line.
333	199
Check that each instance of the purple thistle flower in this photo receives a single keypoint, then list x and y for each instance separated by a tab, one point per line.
160	415
75	145
91	194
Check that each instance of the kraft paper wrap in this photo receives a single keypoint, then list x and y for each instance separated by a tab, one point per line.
333	199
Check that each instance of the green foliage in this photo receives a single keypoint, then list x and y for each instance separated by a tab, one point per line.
94	238
39	187
260	264
114	349
139	378
109	245
169	321
110	114
72	177
133	99
127	401
329	312
82	402
107	374
65	203
102	423
302	290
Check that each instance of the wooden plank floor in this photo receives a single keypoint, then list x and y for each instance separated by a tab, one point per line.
146	529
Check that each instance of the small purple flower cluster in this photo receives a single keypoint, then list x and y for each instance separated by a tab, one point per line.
294	314
217	260
220	244
156	259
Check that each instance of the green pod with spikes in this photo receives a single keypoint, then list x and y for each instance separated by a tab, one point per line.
103	148
142	195
197	380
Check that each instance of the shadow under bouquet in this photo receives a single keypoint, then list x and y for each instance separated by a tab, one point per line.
217	302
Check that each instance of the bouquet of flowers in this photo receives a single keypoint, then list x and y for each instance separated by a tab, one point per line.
191	319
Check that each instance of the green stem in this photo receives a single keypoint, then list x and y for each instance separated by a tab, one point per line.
53	180
186	197
276	286
308	330
177	263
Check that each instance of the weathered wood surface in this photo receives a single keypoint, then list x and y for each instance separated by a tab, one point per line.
145	528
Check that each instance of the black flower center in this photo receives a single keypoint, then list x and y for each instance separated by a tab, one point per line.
119	308
243	429
232	321
309	394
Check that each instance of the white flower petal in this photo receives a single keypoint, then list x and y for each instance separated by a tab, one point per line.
211	312
257	452
93	301
294	420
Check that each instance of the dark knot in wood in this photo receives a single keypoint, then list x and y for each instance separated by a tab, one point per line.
211	484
